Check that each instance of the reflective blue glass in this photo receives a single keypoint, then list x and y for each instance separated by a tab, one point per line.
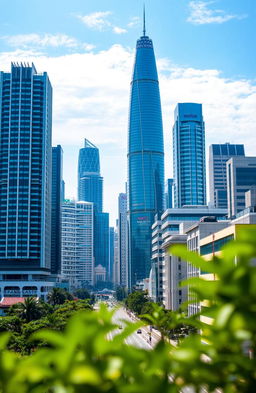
90	183
25	162
145	159
57	154
101	240
189	156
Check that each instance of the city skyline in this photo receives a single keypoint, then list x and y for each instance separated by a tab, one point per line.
91	85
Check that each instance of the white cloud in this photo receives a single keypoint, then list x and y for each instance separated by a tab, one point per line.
45	40
91	100
96	20
134	21
99	21
201	14
119	30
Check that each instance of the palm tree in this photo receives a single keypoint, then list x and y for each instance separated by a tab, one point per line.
57	296
30	309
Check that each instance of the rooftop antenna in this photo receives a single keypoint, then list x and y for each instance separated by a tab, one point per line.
144	21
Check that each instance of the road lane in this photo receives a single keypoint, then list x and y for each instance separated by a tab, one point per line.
138	340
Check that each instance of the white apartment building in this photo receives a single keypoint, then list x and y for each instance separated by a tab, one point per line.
77	243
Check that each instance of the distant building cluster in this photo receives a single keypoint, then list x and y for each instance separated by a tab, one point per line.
47	240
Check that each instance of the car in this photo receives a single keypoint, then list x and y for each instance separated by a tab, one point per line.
139	331
120	327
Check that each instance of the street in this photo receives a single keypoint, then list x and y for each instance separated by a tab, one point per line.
139	340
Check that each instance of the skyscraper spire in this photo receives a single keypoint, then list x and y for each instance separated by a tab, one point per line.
144	21
145	159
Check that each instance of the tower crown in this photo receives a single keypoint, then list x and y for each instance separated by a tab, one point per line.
144	22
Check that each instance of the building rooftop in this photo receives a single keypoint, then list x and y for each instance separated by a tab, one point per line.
10	301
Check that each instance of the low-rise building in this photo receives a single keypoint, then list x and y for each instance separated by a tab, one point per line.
195	233
173	222
100	274
212	245
7	302
174	272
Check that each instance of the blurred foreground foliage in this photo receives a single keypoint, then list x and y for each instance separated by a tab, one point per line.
81	359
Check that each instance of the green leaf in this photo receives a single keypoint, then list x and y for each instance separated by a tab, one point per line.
194	258
49	336
83	374
4	338
223	315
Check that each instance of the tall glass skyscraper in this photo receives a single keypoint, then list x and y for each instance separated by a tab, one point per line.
101	241
90	189
122	267
189	155
57	195
111	253
168	194
145	159
90	183
25	170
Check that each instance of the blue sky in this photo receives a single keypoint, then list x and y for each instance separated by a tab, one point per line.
205	52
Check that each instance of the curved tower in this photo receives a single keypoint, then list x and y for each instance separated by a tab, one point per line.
90	183
145	159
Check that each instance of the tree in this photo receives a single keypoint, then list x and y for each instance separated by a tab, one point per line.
121	293
58	296
136	300
171	324
12	323
82	293
30	310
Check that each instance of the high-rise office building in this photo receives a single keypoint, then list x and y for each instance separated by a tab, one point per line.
241	177
90	188
168	194
189	155
218	156
157	261
116	275
111	253
25	174
101	241
90	183
122	228
57	195
145	159
77	243
62	190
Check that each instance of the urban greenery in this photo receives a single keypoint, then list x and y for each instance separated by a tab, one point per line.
136	301
171	324
82	293
121	293
24	319
80	359
58	296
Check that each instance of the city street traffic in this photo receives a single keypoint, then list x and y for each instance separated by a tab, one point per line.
140	340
